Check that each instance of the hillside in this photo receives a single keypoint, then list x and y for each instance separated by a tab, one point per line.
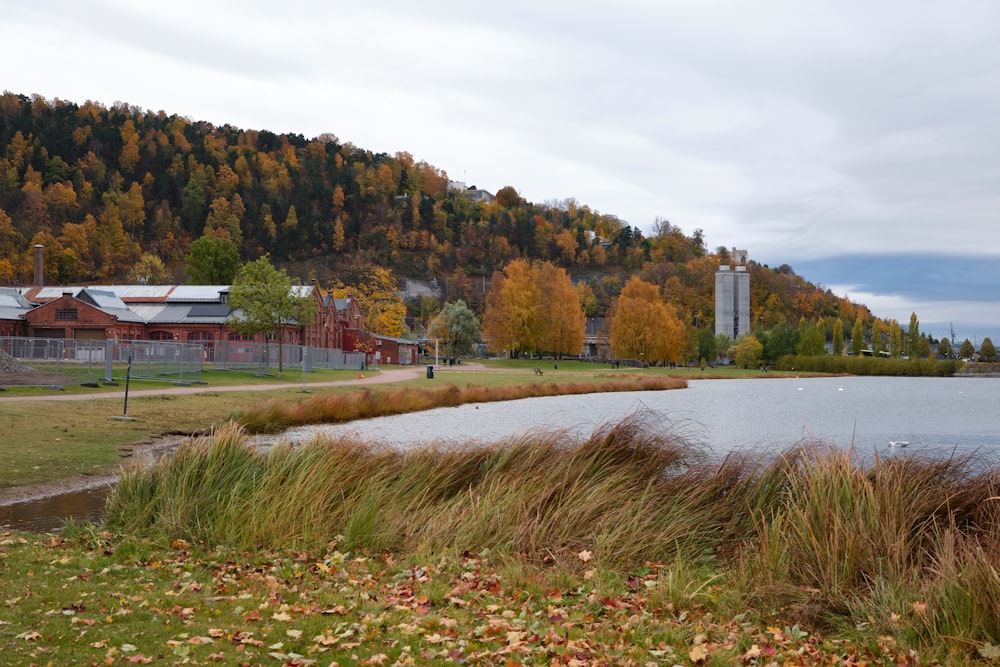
100	187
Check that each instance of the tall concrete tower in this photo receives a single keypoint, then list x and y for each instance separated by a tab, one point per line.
732	297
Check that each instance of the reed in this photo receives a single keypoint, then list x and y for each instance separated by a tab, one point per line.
274	416
812	534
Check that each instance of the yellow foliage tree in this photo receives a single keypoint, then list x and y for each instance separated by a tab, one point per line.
376	293
562	324
510	322
644	327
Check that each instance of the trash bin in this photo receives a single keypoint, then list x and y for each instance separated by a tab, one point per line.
430	372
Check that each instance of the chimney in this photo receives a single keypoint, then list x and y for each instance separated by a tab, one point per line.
39	267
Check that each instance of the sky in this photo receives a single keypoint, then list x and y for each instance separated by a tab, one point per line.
857	142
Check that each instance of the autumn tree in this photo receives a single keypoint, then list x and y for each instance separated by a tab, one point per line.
510	322
967	350
644	327
264	301
944	349
376	292
149	270
562	324
457	326
987	350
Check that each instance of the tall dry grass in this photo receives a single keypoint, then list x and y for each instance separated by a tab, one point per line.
812	533
276	415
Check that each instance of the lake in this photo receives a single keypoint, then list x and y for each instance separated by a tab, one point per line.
933	415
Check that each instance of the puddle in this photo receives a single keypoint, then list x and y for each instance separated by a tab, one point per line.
48	513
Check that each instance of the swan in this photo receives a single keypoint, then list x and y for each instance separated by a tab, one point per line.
898	443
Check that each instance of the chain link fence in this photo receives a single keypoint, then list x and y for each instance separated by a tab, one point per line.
58	362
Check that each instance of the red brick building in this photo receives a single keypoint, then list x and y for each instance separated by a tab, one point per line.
191	313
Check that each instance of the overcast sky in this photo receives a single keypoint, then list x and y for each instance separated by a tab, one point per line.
856	141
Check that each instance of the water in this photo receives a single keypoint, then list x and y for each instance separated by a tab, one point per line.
935	416
938	416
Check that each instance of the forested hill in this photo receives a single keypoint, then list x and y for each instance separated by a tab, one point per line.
107	189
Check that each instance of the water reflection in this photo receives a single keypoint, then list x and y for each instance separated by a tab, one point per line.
50	512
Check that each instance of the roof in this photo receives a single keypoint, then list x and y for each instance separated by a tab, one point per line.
403	341
11	298
186	313
8	313
109	303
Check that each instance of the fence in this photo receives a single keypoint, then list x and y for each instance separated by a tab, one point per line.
57	362
260	359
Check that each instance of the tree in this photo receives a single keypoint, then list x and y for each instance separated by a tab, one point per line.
895	340
264	302
457	326
781	340
562	324
644	327
707	348
967	350
858	337
747	352
507	196
377	294
913	338
838	337
944	349
878	346
987	350
811	338
213	260
511	318
149	270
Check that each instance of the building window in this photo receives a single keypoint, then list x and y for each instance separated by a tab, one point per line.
160	335
201	337
65	314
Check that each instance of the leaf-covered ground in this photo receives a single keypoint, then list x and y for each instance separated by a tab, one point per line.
87	597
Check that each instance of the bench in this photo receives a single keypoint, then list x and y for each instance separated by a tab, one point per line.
539	371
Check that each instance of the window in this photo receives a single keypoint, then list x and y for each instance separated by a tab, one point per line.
65	314
160	335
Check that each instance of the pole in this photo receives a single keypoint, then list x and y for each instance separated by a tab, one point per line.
128	377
